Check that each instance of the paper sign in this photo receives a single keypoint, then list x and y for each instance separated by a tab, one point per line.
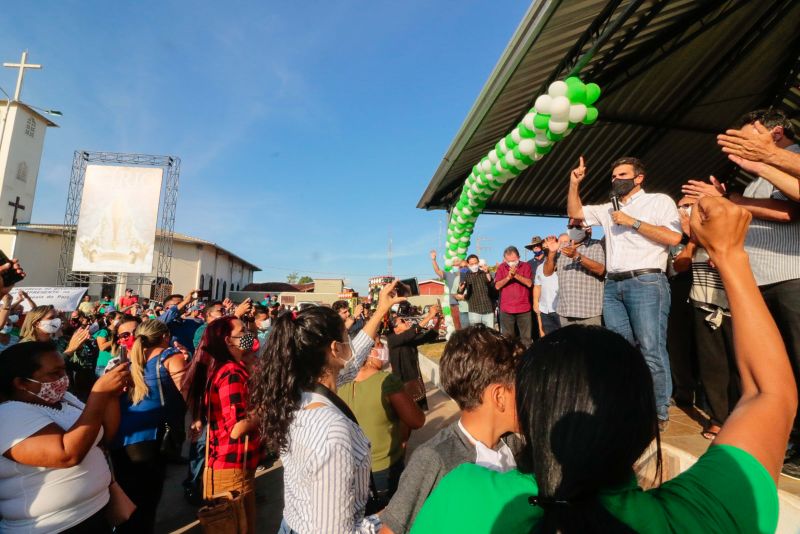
61	298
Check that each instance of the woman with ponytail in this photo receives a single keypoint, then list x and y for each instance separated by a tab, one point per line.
587	412
218	393
325	455
151	413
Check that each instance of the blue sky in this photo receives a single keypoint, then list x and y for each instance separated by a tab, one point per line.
307	130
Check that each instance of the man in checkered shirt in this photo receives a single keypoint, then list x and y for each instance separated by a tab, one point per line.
581	267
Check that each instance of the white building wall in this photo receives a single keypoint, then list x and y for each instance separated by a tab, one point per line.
20	155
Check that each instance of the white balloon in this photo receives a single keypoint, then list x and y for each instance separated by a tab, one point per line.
537	156
493	156
543	141
460	219
558	127
448	262
466	210
453	239
542	105
481	179
486	165
503	146
559	109
464	239
515	135
470	193
557	88
527	147
528	120
505	178
511	159
462	250
472	202
577	112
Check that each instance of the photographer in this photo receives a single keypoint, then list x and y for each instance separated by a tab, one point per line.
403	341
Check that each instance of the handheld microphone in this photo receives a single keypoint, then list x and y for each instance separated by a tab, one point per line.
615	202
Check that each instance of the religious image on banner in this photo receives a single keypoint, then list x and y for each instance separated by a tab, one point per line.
117	223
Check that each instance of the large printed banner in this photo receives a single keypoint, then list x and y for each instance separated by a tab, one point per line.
61	298
117	223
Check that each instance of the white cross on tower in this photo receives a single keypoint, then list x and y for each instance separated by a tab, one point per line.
21	66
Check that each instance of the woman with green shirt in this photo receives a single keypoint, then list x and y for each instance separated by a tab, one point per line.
386	414
587	412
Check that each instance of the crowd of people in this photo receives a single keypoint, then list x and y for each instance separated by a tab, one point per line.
561	368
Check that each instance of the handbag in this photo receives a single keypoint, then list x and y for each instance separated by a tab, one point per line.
224	512
170	437
415	389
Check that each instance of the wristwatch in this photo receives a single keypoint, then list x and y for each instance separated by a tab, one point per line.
578	258
636	225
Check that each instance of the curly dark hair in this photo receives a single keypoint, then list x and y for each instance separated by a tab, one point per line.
292	363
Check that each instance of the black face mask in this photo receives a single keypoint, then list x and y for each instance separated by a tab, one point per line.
620	187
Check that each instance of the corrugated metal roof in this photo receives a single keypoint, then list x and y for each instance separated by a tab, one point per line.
674	74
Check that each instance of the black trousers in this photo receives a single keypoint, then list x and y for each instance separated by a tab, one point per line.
783	301
143	482
96	524
680	343
717	362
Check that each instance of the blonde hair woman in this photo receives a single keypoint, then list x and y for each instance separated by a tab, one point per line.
43	324
151	419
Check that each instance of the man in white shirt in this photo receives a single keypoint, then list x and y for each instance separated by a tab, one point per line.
545	293
638	236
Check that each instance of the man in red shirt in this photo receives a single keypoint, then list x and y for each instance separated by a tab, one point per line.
128	300
514	280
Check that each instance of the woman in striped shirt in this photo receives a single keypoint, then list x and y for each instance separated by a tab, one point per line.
325	455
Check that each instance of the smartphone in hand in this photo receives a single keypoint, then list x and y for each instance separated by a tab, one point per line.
11	276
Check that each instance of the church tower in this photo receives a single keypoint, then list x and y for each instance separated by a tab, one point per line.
22	130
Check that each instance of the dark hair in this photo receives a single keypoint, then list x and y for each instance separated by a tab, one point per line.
21	361
474	358
293	361
476	257
340	305
260	310
587	411
770	118
210	354
175	296
511	249
636	163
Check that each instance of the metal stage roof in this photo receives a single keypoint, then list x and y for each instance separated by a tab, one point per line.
673	74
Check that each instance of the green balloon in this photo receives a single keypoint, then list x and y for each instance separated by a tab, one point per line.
495	172
504	164
541	121
522	157
515	171
554	136
591	115
544	149
510	143
453	246
576	93
592	94
525	133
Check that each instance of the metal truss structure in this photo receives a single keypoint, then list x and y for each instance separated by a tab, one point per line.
160	283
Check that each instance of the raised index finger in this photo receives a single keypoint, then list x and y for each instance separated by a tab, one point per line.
582	162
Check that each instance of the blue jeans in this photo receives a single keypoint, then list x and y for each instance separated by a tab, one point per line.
482	318
550	322
638	309
464	318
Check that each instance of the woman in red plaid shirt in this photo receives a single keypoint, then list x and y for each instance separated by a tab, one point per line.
218	390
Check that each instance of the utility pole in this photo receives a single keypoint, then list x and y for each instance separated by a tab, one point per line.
479	247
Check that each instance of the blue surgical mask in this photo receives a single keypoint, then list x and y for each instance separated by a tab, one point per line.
464	270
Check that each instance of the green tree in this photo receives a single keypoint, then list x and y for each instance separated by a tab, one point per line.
292	278
305	280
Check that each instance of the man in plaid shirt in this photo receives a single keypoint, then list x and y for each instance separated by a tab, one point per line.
477	283
581	267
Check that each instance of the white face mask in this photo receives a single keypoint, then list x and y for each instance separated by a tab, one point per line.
50	326
264	326
349	349
474	268
6	329
51	392
512	263
13	319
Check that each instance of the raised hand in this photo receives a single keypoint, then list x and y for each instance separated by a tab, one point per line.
78	338
433	255
720	226
753	167
579	173
753	142
697	189
114	381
